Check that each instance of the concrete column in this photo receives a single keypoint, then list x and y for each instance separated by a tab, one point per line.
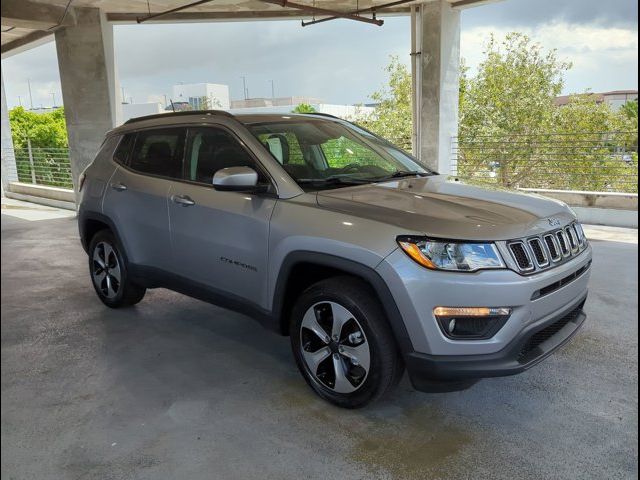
90	92
436	65
8	158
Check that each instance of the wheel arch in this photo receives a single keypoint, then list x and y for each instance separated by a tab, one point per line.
301	269
90	223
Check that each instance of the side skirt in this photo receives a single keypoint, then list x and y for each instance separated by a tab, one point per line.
151	277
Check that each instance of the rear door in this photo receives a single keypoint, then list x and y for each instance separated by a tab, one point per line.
136	199
220	239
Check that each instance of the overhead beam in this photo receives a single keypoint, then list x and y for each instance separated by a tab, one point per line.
151	16
374	9
29	41
471	3
323	11
34	15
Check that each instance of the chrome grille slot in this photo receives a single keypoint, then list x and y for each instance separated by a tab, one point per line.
521	256
573	240
539	253
577	228
563	242
552	247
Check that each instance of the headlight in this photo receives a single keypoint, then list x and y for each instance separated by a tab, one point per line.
451	255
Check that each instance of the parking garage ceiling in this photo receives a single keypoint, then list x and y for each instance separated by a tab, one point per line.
26	23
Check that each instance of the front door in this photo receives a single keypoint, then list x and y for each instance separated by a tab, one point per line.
220	239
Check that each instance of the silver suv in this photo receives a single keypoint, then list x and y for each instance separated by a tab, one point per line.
322	231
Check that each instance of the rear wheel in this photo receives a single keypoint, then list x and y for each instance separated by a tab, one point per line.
109	273
342	343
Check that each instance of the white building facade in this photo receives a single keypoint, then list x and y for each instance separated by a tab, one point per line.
202	96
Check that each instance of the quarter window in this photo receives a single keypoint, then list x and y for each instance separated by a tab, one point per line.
159	152
121	155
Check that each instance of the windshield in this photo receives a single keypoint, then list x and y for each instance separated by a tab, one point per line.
321	153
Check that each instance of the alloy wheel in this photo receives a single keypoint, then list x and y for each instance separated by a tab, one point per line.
334	347
105	270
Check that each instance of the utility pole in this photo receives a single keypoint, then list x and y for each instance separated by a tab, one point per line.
273	95
244	87
165	99
30	97
53	94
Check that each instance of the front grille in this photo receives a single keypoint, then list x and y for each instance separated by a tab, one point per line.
560	283
538	252
548	250
530	350
521	256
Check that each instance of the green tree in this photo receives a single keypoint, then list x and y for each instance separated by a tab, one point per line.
512	133
45	130
304	108
392	118
49	158
630	111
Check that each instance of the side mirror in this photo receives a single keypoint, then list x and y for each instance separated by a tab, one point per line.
235	179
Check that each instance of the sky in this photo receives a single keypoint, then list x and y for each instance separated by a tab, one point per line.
340	61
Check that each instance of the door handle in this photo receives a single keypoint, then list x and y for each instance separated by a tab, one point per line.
118	187
183	200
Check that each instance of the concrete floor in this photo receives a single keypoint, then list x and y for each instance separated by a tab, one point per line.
176	388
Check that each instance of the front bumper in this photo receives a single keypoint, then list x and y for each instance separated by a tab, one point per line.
531	346
539	302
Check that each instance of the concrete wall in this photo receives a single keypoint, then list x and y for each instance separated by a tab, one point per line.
598	208
7	158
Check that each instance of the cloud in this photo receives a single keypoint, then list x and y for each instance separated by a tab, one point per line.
340	61
529	13
603	58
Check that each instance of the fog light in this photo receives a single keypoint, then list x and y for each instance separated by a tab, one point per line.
471	323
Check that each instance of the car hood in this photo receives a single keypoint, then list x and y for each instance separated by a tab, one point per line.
434	207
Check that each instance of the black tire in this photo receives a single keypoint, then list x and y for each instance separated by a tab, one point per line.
385	362
122	293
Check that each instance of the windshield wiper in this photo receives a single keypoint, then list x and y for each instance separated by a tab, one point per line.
331	181
403	173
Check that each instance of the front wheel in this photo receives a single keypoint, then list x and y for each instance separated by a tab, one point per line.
109	273
342	343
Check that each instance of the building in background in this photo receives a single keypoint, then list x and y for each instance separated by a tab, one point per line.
202	96
287	104
132	110
615	98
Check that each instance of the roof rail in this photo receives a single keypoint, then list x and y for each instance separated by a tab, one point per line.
321	114
178	114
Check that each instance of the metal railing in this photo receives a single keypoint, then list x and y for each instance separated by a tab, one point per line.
601	162
40	166
577	161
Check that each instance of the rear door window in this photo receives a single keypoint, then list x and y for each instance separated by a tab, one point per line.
159	152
